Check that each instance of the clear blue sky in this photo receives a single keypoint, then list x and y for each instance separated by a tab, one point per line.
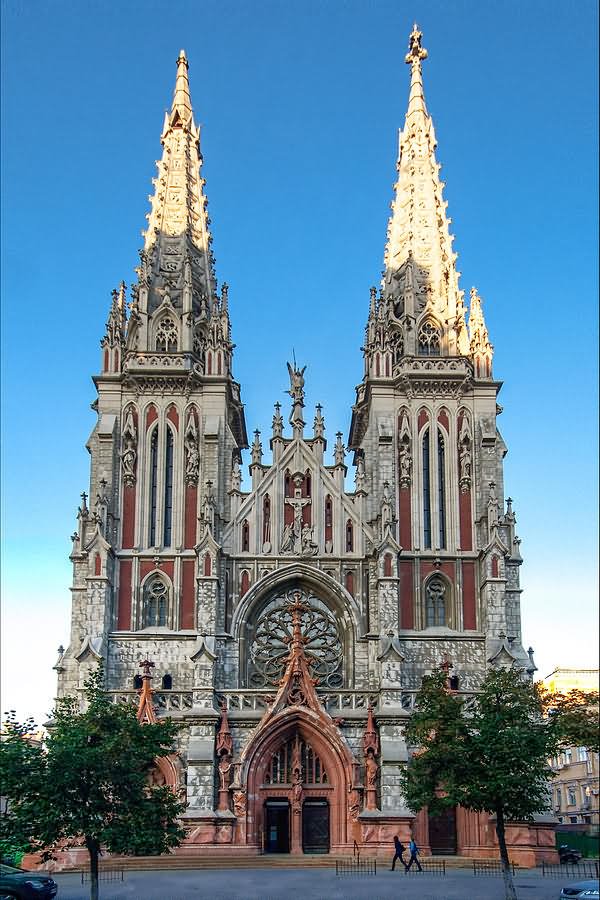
300	105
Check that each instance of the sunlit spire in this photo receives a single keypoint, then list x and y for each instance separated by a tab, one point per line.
182	104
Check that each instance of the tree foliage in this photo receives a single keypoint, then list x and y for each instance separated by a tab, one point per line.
90	782
491	753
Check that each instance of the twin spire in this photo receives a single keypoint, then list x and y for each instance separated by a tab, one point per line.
420	309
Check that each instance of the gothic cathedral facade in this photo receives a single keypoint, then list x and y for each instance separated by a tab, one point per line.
288	627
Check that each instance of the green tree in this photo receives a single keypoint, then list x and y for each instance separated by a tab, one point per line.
89	783
491	753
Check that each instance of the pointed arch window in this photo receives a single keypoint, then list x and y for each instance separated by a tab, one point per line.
245	536
166	336
436	596
426	492
168	510
328	519
429	340
155	606
153	486
349	536
441	467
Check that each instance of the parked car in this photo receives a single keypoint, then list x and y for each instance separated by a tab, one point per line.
588	889
568	855
17	884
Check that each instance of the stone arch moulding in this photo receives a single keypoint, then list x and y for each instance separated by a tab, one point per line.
333	751
298	573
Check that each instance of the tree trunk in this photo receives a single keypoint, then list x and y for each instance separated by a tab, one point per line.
509	885
94	852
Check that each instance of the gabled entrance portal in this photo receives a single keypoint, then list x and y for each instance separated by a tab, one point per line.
315	826
277	826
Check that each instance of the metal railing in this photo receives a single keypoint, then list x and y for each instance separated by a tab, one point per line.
580	870
356	866
490	867
103	875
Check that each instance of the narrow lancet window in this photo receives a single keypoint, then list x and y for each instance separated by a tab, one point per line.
153	485
168	516
426	492
441	453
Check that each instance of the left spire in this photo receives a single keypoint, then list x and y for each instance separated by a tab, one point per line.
176	297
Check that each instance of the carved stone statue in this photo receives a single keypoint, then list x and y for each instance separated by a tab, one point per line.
224	770
128	458
371	769
309	548
236	475
296	391
287	540
405	465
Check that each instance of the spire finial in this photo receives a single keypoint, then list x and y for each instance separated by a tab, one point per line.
416	52
182	103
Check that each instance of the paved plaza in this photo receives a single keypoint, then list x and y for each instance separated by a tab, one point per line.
309	884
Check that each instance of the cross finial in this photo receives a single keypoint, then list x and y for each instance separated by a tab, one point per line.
147	667
416	52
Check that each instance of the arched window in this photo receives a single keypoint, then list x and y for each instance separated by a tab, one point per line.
167	682
296	752
207	564
168	511
429	340
137	682
245	536
426	492
156	603
495	568
266	520
387	565
244	583
349	536
441	461
153	485
166	336
436	591
454	682
328	519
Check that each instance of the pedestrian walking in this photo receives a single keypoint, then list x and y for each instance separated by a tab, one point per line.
399	850
414	852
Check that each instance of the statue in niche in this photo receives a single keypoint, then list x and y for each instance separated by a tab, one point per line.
128	458
308	545
405	464
192	456
465	465
371	769
236	475
296	391
224	770
287	541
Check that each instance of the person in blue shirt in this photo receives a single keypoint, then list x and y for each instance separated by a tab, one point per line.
414	851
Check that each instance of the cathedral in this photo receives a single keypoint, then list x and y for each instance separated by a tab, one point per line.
288	626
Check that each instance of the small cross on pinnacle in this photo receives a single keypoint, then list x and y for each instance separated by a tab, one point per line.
416	53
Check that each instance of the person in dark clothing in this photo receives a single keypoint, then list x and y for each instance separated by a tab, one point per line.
399	850
414	851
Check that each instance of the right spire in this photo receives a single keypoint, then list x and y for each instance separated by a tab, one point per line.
420	303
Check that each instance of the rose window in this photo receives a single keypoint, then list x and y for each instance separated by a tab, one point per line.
272	632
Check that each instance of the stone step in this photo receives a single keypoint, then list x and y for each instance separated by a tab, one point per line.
266	861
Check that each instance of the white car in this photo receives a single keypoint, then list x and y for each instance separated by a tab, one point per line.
588	889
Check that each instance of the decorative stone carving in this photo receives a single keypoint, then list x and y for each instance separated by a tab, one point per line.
192	455
129	451
405	454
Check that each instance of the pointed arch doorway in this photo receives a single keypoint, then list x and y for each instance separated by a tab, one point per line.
299	787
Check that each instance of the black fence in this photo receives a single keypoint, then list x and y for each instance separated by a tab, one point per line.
580	871
356	866
489	867
103	875
429	867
